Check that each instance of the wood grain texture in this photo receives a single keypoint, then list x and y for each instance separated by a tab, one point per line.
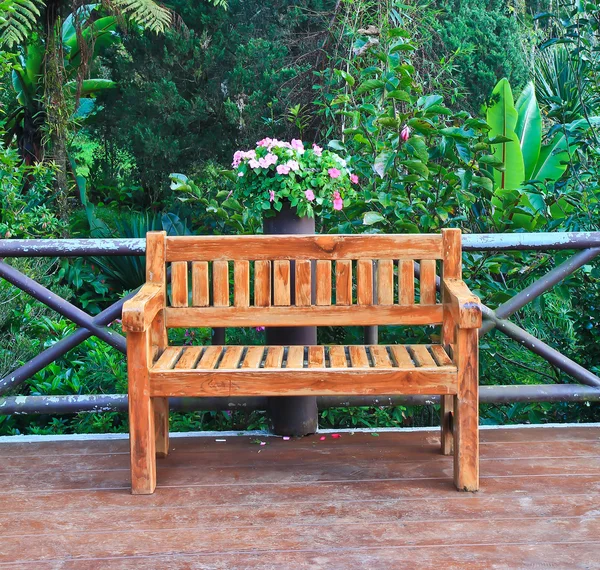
190	357
220	283
464	307
316	357
422	355
262	283
141	415
364	282
140	311
339	315
406	278
274	357
337	357
303	283
339	246
295	357
156	257
200	284
385	282
168	358
231	357
343	282
440	355
281	283
358	356
210	357
179	284
380	356
323	278
401	356
466	413
427	282
241	283
253	357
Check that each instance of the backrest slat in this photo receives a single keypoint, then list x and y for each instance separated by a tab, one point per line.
364	282
241	283
385	282
323	282
427	282
200	288
303	283
343	282
179	284
220	284
281	282
406	271
262	283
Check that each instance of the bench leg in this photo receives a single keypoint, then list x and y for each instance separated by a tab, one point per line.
161	426
446	420
466	413
141	416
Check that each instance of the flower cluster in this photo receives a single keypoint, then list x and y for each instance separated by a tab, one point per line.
310	179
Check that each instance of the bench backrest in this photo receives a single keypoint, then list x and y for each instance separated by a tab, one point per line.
303	280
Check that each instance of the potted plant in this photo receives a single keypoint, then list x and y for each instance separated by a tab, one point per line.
288	185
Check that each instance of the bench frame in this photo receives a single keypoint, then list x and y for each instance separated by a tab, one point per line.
145	321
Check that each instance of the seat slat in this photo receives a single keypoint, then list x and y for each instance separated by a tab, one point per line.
406	286
220	284
422	355
323	278
253	357
380	356
168	358
179	284
189	358
231	357
210	357
364	282
295	357
343	282
241	283
358	357
337	357
274	357
316	357
427	282
281	278
303	283
401	356
439	354
200	289
262	283
385	282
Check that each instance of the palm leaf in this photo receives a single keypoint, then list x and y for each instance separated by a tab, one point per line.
18	18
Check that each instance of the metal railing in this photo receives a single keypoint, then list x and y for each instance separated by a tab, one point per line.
588	244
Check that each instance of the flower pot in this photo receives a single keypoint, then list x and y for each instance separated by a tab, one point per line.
292	415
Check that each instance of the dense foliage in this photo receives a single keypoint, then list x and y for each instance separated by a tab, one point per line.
447	113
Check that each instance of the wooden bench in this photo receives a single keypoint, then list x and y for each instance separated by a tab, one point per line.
293	280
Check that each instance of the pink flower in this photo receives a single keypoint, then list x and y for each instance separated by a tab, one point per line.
336	435
259	329
253	163
283	169
266	161
237	158
296	144
334	172
294	165
317	149
405	133
265	142
271	195
310	196
354	179
322	438
338	203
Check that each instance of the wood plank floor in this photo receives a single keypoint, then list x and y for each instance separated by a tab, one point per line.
357	501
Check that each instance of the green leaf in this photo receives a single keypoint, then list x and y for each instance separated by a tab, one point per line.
416	166
463	151
369	85
399	95
529	128
417	147
553	159
388	122
371	218
502	118
90	86
428	101
347	77
383	161
422	126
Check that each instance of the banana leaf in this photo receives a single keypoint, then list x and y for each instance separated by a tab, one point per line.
529	129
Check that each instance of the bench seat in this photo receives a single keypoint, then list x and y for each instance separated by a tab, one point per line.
300	370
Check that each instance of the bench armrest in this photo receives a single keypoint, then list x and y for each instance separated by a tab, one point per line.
465	307
139	311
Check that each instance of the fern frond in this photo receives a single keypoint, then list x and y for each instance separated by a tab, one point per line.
147	13
17	19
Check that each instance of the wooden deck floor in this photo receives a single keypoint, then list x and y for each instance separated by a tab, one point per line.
360	501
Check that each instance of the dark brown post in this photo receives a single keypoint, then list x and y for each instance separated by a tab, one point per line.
292	415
